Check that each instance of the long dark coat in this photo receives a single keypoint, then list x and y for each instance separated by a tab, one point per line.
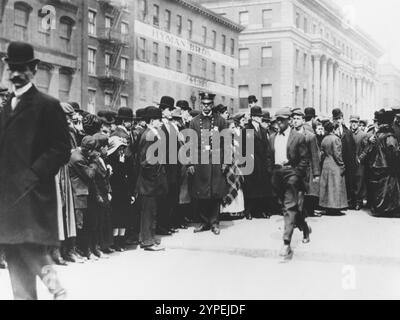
332	194
360	188
314	168
349	159
208	181
258	184
34	145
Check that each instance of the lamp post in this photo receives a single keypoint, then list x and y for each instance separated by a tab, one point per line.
193	99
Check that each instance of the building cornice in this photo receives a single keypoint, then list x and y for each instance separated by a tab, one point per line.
197	8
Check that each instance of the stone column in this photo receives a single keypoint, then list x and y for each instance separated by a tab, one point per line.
55	82
336	90
365	95
358	96
324	84
317	83
330	85
310	82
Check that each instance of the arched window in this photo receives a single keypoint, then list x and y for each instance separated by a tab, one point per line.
65	84
21	20
43	78
66	27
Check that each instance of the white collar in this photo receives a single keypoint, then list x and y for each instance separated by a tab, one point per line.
21	91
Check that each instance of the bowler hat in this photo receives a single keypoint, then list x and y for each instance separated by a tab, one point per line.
266	116
385	116
107	117
125	113
252	99
310	113
167	103
184	105
140	114
153	113
337	114
19	53
284	113
76	107
256	111
206	97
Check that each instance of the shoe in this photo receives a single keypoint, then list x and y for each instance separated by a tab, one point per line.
73	258
358	207
163	232
249	216
108	251
61	295
100	254
155	248
216	231
286	252
60	261
307	235
183	227
202	228
173	230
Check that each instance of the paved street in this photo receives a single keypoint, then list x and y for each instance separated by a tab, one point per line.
350	257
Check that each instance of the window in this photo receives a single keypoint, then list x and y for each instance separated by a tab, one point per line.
304	98
204	35
179	24
214	71
167	57
66	27
167	20
267	18
305	25
296	96
124	68
107	99
297	20
142	88
142	10
214	39
204	68
44	33
243	97
124	28
243	57
190	29
107	63
232	47
189	63
155	52
305	62
232	77
21	21
156	15
92	61
92	23
91	101
223	43
141	51
266	56
108	23
179	60
244	18
297	58
43	79
266	93
223	74
124	102
64	86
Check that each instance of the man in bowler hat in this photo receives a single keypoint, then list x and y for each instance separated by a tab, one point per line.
34	145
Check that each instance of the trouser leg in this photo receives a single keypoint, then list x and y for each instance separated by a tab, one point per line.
148	221
290	204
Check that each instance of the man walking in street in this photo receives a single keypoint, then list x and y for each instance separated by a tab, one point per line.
34	145
291	161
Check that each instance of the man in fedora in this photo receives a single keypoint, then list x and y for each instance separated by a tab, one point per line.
257	186
349	154
152	185
290	159
34	145
209	185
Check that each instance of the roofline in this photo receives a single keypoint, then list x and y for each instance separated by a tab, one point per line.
198	8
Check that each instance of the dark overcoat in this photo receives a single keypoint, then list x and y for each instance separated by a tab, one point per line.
208	181
258	184
152	181
314	168
360	188
34	145
349	159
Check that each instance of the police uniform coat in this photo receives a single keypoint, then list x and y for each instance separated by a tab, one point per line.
208	181
34	145
360	138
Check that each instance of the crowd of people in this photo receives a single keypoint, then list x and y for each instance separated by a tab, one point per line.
110	195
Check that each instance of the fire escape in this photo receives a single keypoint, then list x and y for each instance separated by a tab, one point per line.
114	42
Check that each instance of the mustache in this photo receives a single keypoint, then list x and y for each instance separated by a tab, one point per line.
16	80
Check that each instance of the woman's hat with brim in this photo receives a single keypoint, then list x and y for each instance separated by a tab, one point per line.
107	117
114	143
184	105
20	53
167	102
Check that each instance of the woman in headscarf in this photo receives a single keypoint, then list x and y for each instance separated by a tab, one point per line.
381	156
333	195
121	190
